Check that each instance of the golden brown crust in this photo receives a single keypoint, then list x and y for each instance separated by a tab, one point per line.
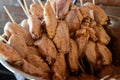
73	56
34	27
47	49
36	10
50	20
59	68
62	37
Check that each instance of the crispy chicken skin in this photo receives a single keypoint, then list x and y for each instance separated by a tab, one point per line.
10	54
73	56
50	20
16	40
99	14
23	51
13	28
38	62
59	68
47	49
36	10
82	40
72	20
85	11
105	52
79	15
59	5
78	12
34	27
93	34
62	37
103	37
91	53
33	50
25	24
32	70
65	8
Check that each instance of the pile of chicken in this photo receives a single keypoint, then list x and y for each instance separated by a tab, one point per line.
52	42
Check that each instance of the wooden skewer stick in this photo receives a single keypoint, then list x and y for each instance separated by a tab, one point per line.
40	2
91	13
93	1
6	10
3	39
33	1
81	68
81	2
26	7
22	7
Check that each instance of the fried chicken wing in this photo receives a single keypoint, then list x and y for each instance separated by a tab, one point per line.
59	68
33	50
12	57
65	8
34	27
47	49
85	11
93	34
91	53
62	37
106	54
38	62
59	5
22	49
10	54
73	56
103	37
50	20
32	70
18	43
25	24
72	20
91	30
36	10
82	40
99	14
13	28
79	15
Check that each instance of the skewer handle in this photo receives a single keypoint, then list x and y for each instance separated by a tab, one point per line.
6	10
26	7
93	1
81	2
33	1
40	2
22	7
